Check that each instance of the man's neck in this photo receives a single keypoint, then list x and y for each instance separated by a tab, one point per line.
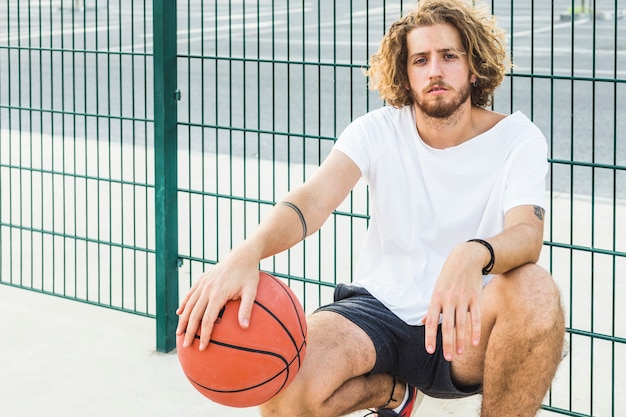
448	132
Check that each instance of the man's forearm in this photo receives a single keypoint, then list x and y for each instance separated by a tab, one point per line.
288	223
513	247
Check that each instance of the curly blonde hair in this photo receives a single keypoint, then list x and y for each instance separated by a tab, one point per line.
481	40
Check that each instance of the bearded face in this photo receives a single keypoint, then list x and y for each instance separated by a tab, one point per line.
438	72
443	105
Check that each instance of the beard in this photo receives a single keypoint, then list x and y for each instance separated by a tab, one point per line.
442	108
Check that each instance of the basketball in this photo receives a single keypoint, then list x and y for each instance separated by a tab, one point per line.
247	367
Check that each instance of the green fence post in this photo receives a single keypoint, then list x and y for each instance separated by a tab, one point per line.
165	171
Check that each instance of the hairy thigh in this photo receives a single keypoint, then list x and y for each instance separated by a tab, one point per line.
522	296
337	351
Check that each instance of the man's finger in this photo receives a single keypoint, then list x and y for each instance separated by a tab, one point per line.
476	323
431	324
190	331
185	312
194	321
245	308
190	300
461	321
208	321
447	333
181	308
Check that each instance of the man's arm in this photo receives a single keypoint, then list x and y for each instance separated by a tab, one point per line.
459	286
236	277
521	240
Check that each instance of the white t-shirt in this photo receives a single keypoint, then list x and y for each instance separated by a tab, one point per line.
425	201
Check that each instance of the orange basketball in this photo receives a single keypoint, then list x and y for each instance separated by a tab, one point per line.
246	367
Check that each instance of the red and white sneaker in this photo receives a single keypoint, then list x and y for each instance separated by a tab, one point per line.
409	409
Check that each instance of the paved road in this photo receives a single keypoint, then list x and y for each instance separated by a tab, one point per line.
263	76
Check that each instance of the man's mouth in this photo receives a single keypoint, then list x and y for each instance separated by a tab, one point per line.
437	89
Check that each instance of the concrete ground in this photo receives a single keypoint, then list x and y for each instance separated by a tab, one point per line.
68	359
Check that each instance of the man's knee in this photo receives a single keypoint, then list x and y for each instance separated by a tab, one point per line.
337	351
543	294
532	297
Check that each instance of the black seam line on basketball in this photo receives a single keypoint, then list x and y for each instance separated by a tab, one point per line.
271	313
246	349
276	355
292	303
295	307
268	311
263	352
286	370
293	341
253	350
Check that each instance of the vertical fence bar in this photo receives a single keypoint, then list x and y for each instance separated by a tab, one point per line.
165	169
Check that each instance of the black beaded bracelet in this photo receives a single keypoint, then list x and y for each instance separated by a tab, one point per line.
487	269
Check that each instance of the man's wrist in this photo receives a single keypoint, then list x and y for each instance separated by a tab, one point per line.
492	257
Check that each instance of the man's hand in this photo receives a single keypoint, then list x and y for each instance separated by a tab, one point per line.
456	299
202	304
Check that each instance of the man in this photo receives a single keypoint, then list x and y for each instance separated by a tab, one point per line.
447	299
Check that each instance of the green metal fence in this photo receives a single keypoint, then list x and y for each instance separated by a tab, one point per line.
76	165
139	141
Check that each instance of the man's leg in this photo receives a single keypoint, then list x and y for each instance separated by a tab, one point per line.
331	381
521	343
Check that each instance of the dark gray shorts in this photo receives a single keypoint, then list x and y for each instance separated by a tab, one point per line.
400	347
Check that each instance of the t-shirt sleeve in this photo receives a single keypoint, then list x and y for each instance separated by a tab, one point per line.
526	184
351	143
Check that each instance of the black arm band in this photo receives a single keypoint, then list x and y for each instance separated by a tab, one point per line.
487	269
299	213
